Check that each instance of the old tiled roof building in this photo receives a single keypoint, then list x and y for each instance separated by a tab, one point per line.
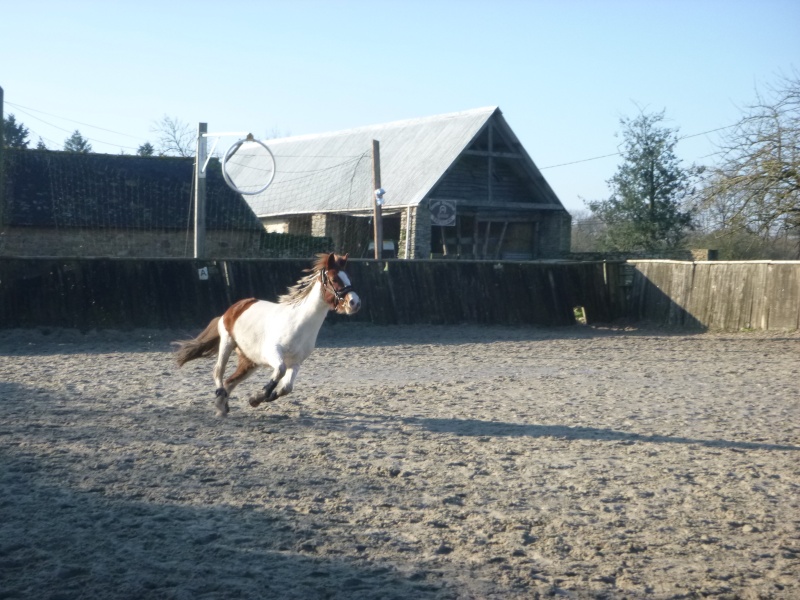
75	204
458	185
468	166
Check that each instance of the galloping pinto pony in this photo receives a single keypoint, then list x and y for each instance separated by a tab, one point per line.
276	335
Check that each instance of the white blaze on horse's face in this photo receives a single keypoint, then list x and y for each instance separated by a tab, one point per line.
337	291
351	303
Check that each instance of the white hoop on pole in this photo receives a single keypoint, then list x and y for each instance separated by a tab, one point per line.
232	150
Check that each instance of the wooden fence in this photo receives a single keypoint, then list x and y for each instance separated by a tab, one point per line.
127	293
170	293
729	296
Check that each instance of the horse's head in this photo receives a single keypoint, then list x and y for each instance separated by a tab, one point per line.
336	286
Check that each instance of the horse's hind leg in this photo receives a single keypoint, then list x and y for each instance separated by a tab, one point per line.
244	369
226	346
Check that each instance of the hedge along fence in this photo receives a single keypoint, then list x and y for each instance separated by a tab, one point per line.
729	296
169	293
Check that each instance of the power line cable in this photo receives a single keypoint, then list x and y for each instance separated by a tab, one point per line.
19	106
683	137
575	162
24	110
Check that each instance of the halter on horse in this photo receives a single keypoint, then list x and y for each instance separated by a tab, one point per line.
277	335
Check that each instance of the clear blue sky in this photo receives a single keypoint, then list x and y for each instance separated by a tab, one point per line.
563	72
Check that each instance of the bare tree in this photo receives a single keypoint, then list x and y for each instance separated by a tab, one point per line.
588	232
275	133
175	138
755	188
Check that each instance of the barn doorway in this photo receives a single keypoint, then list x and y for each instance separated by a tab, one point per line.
486	239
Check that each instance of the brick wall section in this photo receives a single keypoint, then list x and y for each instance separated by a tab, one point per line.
319	225
704	254
421	231
555	229
401	242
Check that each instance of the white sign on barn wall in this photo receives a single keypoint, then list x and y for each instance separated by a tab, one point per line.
443	213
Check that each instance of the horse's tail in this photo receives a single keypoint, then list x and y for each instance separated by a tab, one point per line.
205	344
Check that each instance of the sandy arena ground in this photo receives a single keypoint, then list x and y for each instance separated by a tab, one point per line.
410	462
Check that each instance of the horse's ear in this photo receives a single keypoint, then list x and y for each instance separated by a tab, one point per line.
331	261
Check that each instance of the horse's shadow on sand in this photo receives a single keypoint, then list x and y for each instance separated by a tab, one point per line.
474	427
479	428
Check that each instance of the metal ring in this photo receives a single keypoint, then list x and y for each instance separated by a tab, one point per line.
231	151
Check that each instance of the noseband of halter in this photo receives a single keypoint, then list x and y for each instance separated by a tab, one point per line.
339	294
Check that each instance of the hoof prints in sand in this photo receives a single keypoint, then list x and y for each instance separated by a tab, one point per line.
449	462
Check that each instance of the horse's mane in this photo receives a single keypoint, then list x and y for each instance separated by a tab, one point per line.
300	290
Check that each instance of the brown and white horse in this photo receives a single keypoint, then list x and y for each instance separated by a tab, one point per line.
277	335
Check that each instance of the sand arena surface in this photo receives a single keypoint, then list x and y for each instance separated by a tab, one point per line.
409	462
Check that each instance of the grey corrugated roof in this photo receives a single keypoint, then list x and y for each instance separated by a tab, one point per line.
333	171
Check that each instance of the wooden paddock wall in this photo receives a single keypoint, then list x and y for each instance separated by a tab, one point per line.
728	296
168	293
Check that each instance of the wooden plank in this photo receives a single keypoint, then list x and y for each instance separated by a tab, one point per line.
500	241
783	288
485	252
701	290
680	285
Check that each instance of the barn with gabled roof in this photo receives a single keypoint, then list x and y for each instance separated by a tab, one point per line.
456	185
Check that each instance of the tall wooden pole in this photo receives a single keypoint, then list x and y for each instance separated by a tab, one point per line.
2	123
2	161
377	213
200	192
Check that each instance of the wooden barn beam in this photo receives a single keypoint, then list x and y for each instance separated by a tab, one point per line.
493	154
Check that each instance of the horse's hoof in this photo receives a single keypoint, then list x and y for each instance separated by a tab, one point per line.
222	403
254	401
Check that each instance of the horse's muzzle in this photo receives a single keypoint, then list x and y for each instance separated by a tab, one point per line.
351	303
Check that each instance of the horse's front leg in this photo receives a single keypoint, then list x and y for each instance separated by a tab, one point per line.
285	386
268	394
287	383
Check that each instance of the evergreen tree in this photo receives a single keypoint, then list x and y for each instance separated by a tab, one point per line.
644	212
14	134
77	143
40	145
146	149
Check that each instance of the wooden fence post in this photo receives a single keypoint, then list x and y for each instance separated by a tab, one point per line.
377	213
